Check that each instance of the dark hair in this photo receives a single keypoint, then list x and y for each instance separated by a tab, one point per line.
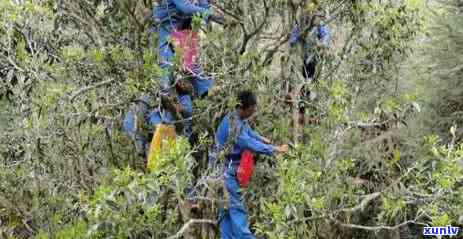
185	24
246	99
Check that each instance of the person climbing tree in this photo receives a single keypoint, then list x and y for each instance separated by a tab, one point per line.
165	124
140	121
172	18
174	25
314	37
235	134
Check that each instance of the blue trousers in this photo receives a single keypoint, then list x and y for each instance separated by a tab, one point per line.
234	220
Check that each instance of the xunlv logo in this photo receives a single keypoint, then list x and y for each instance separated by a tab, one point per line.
441	231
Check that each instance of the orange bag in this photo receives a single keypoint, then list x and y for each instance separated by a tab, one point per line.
246	168
164	136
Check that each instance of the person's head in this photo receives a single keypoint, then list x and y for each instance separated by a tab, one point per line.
247	103
185	24
169	104
183	87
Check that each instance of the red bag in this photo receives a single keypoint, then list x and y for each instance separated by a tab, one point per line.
246	168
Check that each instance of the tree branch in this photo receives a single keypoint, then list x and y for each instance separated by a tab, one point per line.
189	224
368	198
375	228
85	89
248	37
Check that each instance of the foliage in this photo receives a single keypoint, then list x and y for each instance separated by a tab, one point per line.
439	65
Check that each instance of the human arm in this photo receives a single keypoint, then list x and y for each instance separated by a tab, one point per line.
247	141
204	4
325	36
295	35
209	16
257	136
187	7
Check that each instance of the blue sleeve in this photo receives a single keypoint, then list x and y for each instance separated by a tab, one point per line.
188	7
295	34
254	134
257	146
204	4
325	35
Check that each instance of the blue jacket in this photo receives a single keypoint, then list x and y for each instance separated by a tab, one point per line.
323	34
173	11
157	116
247	139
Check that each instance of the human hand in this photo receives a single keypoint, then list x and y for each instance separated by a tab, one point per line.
207	14
219	19
322	46
230	22
215	91
265	140
178	108
282	148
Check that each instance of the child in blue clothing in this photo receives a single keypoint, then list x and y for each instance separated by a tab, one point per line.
314	37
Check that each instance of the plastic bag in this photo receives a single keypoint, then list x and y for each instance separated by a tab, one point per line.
246	168
164	135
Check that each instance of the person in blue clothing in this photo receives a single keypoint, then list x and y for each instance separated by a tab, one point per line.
141	118
170	15
177	14
234	130
314	37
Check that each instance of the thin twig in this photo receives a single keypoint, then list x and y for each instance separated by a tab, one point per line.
85	89
376	228
189	224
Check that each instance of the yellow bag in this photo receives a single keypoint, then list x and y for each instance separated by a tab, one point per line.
164	136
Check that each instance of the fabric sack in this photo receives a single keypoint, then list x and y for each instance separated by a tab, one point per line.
246	168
